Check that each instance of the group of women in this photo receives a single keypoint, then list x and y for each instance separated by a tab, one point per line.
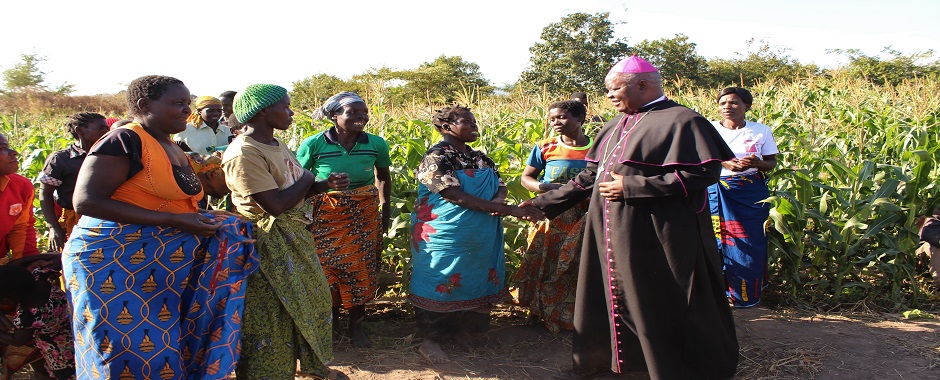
162	288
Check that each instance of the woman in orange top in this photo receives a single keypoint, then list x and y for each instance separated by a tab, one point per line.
134	277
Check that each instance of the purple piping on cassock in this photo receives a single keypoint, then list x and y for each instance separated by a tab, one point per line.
679	177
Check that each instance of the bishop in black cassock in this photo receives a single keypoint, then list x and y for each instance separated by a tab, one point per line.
650	291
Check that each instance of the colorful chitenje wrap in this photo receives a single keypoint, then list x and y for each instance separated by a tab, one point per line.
738	216
548	274
347	227
457	253
288	297
154	302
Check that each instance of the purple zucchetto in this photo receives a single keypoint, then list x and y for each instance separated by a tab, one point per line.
632	65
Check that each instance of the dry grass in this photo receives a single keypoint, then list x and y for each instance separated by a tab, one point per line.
782	362
50	103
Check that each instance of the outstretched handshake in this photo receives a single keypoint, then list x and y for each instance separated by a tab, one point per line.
525	211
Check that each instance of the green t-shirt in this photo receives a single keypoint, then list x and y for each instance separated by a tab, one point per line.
322	154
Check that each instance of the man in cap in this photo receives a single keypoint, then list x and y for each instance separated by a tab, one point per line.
650	292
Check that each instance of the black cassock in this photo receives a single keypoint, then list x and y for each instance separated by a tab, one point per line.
651	258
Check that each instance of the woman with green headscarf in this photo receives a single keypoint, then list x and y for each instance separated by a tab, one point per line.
287	303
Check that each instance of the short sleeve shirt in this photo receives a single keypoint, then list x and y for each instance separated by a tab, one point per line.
252	167
61	171
203	139
323	154
125	142
438	168
753	138
557	161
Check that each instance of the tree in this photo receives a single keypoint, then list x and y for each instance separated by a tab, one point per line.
309	93
676	59
762	64
574	55
27	76
442	80
894	70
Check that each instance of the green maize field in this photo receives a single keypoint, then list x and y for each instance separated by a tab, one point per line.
856	174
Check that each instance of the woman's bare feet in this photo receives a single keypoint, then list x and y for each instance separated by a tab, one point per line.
433	352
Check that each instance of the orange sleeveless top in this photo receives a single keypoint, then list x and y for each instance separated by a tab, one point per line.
154	187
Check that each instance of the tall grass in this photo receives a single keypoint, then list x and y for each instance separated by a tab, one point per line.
857	171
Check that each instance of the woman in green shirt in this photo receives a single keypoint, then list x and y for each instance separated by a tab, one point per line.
349	226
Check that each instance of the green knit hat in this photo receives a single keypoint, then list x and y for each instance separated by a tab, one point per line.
255	98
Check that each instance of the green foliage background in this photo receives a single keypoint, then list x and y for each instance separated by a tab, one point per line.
858	170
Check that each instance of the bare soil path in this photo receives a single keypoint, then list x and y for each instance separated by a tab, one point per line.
775	344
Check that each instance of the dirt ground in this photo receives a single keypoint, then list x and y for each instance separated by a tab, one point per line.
775	344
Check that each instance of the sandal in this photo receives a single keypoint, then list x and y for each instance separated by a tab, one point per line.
580	374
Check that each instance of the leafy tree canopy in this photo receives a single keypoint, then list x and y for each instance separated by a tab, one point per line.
574	55
27	76
309	93
764	63
442	80
897	68
676	59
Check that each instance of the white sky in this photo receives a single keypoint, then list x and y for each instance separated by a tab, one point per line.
213	46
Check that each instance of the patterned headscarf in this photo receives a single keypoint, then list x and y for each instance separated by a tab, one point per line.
201	102
255	98
336	102
204	164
